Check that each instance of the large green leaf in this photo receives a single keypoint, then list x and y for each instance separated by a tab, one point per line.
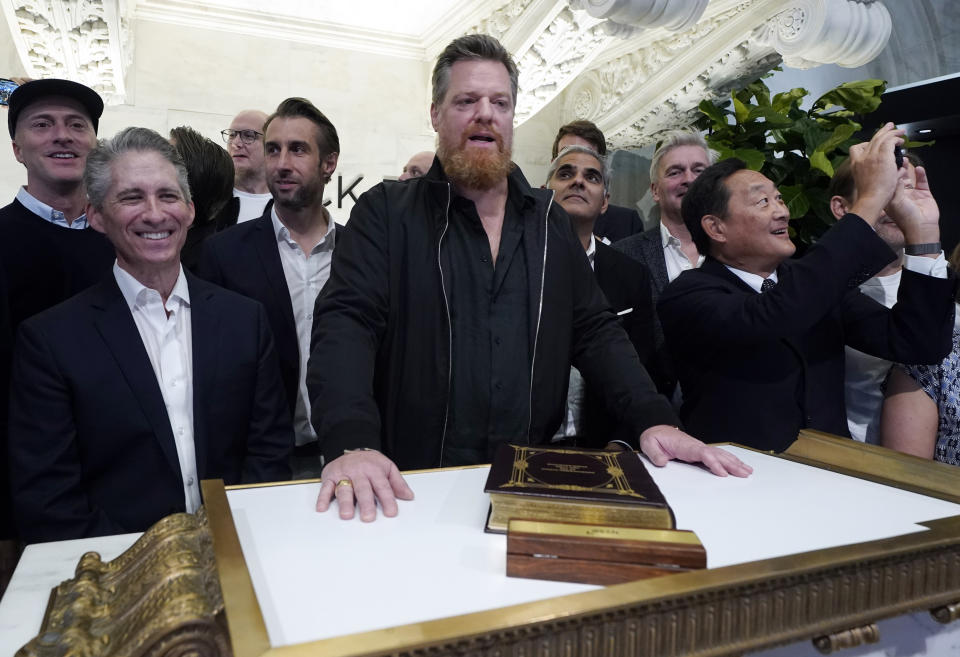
716	114
841	134
771	117
861	96
759	91
819	161
796	199
751	156
740	110
783	101
811	133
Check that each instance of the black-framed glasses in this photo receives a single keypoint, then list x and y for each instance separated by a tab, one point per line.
246	136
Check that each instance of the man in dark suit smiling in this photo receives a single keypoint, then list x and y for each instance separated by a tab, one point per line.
130	393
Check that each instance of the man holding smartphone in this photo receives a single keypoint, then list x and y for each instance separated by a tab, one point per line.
758	337
47	251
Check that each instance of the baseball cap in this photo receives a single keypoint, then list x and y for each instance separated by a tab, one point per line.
35	89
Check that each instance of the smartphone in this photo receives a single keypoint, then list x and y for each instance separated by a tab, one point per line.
898	157
6	88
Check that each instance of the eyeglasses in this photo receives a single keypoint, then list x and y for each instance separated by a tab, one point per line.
246	136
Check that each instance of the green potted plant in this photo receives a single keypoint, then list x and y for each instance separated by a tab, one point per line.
797	149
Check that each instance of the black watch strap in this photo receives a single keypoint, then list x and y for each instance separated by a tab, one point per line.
922	249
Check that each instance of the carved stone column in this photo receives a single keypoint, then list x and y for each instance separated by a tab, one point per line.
83	40
849	33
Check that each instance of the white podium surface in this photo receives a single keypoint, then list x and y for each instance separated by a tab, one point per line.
317	576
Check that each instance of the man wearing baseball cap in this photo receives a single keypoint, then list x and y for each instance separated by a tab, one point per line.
47	252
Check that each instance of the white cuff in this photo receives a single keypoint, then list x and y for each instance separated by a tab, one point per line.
936	267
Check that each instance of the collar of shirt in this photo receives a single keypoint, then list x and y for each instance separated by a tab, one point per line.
45	212
592	250
135	293
283	234
752	280
667	239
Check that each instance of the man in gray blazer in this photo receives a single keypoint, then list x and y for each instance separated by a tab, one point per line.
667	249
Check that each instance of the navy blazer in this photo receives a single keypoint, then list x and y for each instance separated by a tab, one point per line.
757	368
245	258
91	447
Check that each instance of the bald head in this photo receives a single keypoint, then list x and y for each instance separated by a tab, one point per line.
418	165
250	175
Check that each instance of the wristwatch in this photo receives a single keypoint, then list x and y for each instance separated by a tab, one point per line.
922	249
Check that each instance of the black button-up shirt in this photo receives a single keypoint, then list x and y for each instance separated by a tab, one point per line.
490	359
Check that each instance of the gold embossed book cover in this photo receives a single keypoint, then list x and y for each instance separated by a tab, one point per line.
573	485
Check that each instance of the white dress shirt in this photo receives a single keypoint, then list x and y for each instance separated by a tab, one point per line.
47	213
673	255
572	423
168	339
251	205
306	274
864	374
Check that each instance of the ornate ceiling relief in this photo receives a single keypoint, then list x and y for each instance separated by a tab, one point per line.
659	78
83	40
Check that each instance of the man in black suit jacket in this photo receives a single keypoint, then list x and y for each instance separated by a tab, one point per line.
579	177
757	367
283	258
132	391
615	222
47	251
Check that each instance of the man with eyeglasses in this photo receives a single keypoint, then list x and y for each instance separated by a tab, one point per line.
244	140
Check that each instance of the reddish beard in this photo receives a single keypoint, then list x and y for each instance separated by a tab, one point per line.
476	168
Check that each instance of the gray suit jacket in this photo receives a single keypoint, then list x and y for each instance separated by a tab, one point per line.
647	247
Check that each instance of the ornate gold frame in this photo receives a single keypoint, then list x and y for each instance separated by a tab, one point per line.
834	594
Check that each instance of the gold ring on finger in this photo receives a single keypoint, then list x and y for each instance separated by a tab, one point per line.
344	482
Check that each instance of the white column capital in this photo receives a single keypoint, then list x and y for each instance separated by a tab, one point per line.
849	33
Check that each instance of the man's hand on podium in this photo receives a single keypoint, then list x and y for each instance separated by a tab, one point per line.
362	478
663	443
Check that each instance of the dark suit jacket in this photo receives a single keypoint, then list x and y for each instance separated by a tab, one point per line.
618	222
43	264
625	283
245	259
756	368
91	447
647	249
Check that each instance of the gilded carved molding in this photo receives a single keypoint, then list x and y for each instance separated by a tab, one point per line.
161	597
87	41
719	623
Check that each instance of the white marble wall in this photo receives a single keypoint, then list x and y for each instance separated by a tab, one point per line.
201	78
